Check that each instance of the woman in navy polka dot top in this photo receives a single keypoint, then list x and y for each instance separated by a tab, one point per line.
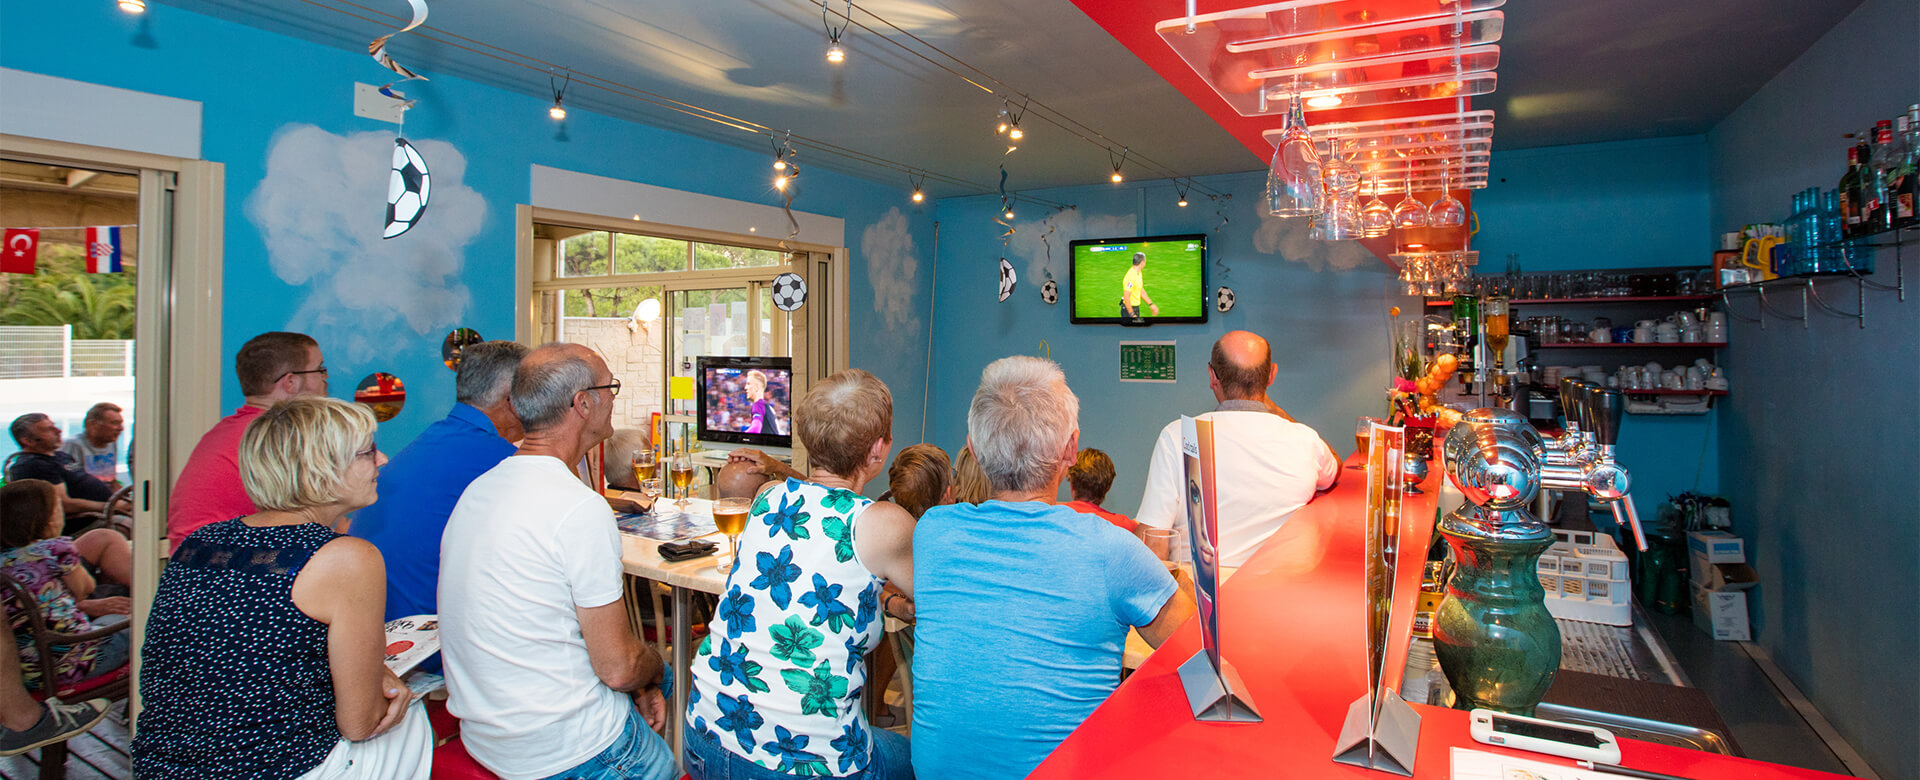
264	655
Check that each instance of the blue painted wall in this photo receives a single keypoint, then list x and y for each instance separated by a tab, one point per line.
1321	305
1625	204
254	84
1820	436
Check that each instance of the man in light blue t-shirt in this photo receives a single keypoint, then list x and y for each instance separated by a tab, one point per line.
1023	606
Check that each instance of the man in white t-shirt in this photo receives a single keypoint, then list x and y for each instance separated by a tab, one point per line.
97	449
542	667
1267	464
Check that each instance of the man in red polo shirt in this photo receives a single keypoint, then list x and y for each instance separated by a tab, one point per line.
272	367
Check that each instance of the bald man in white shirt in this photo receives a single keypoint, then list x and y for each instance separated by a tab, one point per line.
1268	465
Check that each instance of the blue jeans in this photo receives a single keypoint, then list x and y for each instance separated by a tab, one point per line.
707	760
638	754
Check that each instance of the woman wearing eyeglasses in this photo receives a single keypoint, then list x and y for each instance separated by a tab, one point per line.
264	654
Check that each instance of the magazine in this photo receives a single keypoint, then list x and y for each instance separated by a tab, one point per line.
411	640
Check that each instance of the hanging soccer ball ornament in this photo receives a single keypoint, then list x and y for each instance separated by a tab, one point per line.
1007	279
1050	292
1223	299
408	188
789	291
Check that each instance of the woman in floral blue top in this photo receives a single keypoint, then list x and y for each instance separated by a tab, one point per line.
777	685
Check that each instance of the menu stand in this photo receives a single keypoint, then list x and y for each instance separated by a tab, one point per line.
1213	688
1381	731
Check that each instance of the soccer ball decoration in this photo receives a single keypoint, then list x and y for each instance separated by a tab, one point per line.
789	291
408	188
1050	292
1223	299
1007	279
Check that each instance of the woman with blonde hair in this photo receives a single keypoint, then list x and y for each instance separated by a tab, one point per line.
265	650
970	485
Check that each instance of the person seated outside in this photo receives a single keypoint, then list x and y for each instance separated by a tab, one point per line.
420	486
272	367
776	685
543	668
1023	606
1089	480
1268	465
97	449
265	651
27	724
40	458
970	485
54	569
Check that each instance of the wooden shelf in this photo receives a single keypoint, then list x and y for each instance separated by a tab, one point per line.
1611	345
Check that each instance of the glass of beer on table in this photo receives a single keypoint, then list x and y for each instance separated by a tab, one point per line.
645	465
681	472
730	516
650	487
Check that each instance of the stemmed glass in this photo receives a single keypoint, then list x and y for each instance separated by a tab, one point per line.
650	488
1448	211
1410	212
645	465
682	474
1293	178
1377	218
730	516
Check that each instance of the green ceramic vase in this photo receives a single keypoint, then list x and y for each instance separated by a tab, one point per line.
1495	640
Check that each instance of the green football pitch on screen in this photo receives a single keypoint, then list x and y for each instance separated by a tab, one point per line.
1172	278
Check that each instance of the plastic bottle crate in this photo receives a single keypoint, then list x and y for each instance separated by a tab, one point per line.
1585	577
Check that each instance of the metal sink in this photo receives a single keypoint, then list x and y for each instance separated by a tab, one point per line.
1664	733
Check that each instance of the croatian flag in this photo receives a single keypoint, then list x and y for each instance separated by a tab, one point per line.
103	250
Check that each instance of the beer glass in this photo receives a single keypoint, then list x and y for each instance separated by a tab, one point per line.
730	516
645	465
681	472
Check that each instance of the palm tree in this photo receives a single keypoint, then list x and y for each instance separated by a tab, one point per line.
98	307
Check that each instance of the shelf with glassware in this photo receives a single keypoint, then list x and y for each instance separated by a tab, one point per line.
1624	358
1834	260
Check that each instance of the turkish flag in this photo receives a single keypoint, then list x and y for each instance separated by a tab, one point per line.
21	250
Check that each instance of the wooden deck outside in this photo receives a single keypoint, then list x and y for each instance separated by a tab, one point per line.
100	754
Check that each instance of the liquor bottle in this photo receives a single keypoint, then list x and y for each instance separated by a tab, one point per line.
1906	182
1877	208
1850	215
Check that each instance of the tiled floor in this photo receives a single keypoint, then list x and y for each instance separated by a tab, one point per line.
96	755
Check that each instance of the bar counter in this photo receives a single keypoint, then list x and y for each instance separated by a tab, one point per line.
1293	622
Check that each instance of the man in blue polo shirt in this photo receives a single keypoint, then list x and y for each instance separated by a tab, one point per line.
419	486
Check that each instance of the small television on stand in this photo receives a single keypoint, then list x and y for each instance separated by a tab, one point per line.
1139	281
745	402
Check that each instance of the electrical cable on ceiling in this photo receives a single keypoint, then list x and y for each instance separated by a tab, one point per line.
1028	101
532	63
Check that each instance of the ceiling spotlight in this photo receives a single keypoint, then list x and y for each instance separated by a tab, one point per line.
919	184
1009	214
1014	132
1115	177
558	111
779	165
1182	188
1183	203
836	53
919	196
1118	163
134	6
780	183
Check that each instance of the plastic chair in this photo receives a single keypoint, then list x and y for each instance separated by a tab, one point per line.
112	685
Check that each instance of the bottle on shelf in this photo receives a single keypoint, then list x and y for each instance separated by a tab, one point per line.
1877	210
1833	256
1906	178
1850	214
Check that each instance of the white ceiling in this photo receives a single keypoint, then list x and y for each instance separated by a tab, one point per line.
1573	71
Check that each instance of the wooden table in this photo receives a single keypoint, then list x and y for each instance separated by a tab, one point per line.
641	558
1293	621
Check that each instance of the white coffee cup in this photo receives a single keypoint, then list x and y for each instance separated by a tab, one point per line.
1600	336
1692	335
1696	380
1643	334
1667	333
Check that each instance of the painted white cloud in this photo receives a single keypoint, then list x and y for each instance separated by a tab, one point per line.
1032	243
1289	239
892	268
320	210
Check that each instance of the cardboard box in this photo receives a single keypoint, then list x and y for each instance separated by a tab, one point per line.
1721	576
1716	546
1721	613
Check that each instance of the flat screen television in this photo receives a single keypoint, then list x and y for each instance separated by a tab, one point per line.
745	400
1172	274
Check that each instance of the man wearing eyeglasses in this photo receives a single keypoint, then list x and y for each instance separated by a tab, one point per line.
272	367
543	669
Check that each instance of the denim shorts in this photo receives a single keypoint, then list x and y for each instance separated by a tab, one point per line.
637	754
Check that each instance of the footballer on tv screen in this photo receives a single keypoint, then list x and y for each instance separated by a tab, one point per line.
1140	281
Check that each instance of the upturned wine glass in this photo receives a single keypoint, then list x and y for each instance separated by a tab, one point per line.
1410	212
1377	218
1448	211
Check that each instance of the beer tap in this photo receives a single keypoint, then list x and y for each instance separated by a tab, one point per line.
1570	446
1597	473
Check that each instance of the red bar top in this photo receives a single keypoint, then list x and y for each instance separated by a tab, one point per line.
1293	623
